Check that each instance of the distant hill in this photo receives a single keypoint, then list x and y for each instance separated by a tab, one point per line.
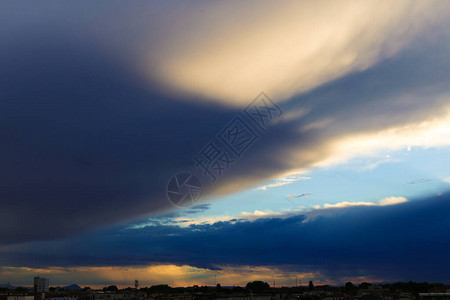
12	287
8	286
72	287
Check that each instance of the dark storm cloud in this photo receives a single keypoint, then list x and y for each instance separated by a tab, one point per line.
86	141
404	241
82	143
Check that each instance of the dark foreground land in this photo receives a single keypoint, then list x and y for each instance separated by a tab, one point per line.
256	290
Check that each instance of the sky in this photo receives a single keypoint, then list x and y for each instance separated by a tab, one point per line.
184	143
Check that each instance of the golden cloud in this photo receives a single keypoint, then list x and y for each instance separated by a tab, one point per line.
229	55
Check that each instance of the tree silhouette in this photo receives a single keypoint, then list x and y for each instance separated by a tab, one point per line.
364	285
111	288
258	287
237	290
350	288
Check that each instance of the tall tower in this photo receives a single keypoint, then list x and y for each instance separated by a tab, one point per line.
136	284
40	284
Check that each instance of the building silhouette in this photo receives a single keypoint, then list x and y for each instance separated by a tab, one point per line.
40	284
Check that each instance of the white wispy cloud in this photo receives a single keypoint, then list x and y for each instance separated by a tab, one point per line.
243	216
298	196
392	201
259	214
282	181
383	202
426	134
346	204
